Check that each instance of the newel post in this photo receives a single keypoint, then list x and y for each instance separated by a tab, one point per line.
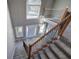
29	52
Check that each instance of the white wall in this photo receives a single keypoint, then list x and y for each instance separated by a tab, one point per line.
48	5
10	38
60	4
17	11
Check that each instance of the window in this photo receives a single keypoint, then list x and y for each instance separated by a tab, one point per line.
31	30
33	9
19	31
41	28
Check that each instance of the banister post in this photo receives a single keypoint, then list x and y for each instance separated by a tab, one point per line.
29	52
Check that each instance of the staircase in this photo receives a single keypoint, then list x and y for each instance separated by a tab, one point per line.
61	49
52	45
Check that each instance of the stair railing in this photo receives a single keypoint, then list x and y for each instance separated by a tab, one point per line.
47	37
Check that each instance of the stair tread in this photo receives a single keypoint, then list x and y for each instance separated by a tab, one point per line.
64	38
42	55
58	52
65	41
49	53
65	47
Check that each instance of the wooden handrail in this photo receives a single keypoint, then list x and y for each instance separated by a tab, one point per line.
50	30
64	14
64	26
